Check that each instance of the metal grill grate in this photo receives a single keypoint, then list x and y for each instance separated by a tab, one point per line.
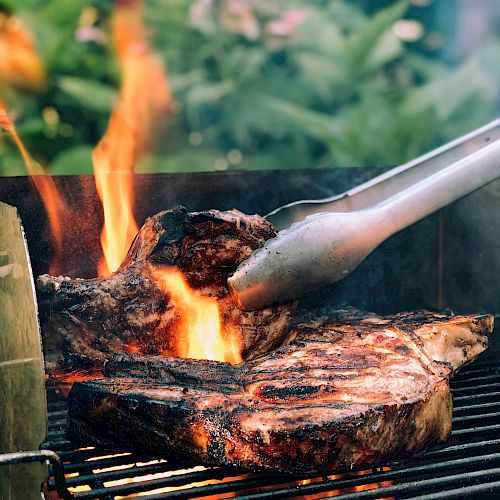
468	466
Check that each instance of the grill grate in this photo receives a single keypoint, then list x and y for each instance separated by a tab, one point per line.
468	466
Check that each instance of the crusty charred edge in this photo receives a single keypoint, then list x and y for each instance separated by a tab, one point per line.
116	420
168	229
170	370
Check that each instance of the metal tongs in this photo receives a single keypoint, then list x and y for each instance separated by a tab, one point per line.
329	238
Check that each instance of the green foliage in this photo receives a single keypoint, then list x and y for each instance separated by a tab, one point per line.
283	84
88	93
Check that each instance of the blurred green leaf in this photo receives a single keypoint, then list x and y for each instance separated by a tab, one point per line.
188	159
73	161
208	92
386	49
11	163
89	93
323	72
444	93
31	126
366	40
322	127
181	82
62	12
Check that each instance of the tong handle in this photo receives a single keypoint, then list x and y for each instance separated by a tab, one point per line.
326	247
440	189
388	184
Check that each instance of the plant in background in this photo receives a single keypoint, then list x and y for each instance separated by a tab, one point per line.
258	84
60	120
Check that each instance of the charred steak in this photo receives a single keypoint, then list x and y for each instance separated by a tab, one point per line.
348	390
84	321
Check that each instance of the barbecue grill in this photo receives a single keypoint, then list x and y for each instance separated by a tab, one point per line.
467	466
434	264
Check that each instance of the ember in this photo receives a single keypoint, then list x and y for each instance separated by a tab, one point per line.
343	491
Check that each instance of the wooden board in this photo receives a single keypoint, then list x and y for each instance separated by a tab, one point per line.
23	409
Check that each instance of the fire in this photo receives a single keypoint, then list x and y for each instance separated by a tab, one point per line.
20	64
353	489
143	103
144	100
137	476
53	201
200	334
115	189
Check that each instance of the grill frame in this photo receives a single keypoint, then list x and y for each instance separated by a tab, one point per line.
434	256
468	465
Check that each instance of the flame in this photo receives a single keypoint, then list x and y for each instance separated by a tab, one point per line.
199	332
115	189
20	64
144	100
169	489
138	476
53	201
353	489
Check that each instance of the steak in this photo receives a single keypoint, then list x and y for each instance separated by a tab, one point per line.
84	321
347	390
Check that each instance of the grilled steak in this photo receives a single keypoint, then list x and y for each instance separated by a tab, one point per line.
85	321
348	390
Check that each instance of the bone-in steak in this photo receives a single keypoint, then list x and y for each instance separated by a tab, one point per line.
348	390
84	321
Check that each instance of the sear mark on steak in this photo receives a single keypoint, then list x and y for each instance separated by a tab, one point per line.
85	321
348	390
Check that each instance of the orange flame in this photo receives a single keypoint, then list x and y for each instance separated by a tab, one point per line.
20	64
199	333
352	489
53	201
144	100
137	476
115	188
